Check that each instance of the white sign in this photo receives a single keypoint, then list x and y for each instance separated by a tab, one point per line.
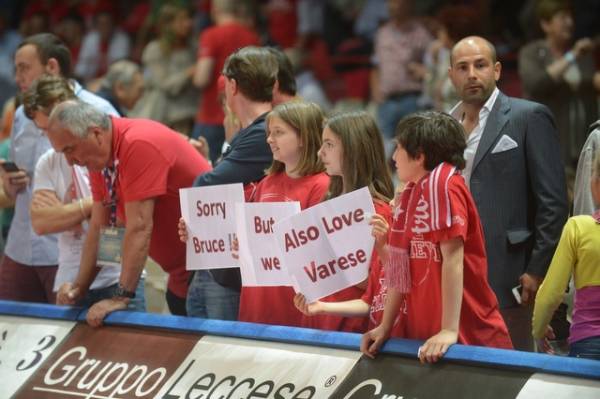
327	247
24	345
235	368
260	262
209	213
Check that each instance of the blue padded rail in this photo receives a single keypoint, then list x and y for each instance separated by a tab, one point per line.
41	310
474	355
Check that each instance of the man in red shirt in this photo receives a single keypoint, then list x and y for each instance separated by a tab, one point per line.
216	43
136	170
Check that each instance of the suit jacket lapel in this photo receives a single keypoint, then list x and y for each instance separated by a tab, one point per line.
496	121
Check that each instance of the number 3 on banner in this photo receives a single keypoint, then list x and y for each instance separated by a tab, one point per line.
45	343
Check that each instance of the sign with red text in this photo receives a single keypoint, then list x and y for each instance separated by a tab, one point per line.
24	345
209	213
260	262
235	368
327	247
110	362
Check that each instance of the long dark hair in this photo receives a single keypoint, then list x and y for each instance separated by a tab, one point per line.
363	162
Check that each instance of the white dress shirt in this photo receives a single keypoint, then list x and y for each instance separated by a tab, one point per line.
475	136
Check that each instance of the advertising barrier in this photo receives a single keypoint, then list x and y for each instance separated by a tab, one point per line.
24	345
139	355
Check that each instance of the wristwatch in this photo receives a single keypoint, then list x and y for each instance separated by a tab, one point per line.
122	292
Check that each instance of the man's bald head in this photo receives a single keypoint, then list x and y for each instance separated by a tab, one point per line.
474	42
474	70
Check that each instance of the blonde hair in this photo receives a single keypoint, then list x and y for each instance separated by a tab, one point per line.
363	156
306	119
45	93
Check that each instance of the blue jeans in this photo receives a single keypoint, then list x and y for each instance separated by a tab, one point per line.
214	135
210	300
588	348
137	304
389	114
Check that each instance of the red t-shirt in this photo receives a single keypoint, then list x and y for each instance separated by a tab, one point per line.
275	305
480	320
375	295
283	23
349	324
218	42
154	162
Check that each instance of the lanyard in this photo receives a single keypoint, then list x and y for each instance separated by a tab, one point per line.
110	179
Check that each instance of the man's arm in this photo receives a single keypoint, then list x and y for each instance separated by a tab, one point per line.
548	188
136	242
50	215
203	72
135	247
244	164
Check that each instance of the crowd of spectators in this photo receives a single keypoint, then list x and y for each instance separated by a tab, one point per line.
213	70
338	40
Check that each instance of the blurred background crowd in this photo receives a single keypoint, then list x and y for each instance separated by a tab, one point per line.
345	53
162	59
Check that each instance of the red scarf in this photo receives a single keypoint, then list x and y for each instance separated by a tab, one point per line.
423	207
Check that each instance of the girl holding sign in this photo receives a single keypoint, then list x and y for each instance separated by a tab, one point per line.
294	135
435	258
354	157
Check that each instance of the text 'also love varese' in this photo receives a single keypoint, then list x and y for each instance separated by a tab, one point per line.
294	238
297	238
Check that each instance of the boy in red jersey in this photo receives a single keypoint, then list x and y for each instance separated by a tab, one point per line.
435	258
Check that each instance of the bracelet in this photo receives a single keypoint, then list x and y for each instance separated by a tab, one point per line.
80	202
569	57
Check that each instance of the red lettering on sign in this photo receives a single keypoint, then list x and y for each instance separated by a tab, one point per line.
270	263
325	270
263	226
295	239
338	222
208	246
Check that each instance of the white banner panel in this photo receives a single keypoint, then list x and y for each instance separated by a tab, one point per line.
209	213
554	386
260	259
327	247
235	368
24	345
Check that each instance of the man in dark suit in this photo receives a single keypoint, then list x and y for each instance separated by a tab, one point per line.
516	177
